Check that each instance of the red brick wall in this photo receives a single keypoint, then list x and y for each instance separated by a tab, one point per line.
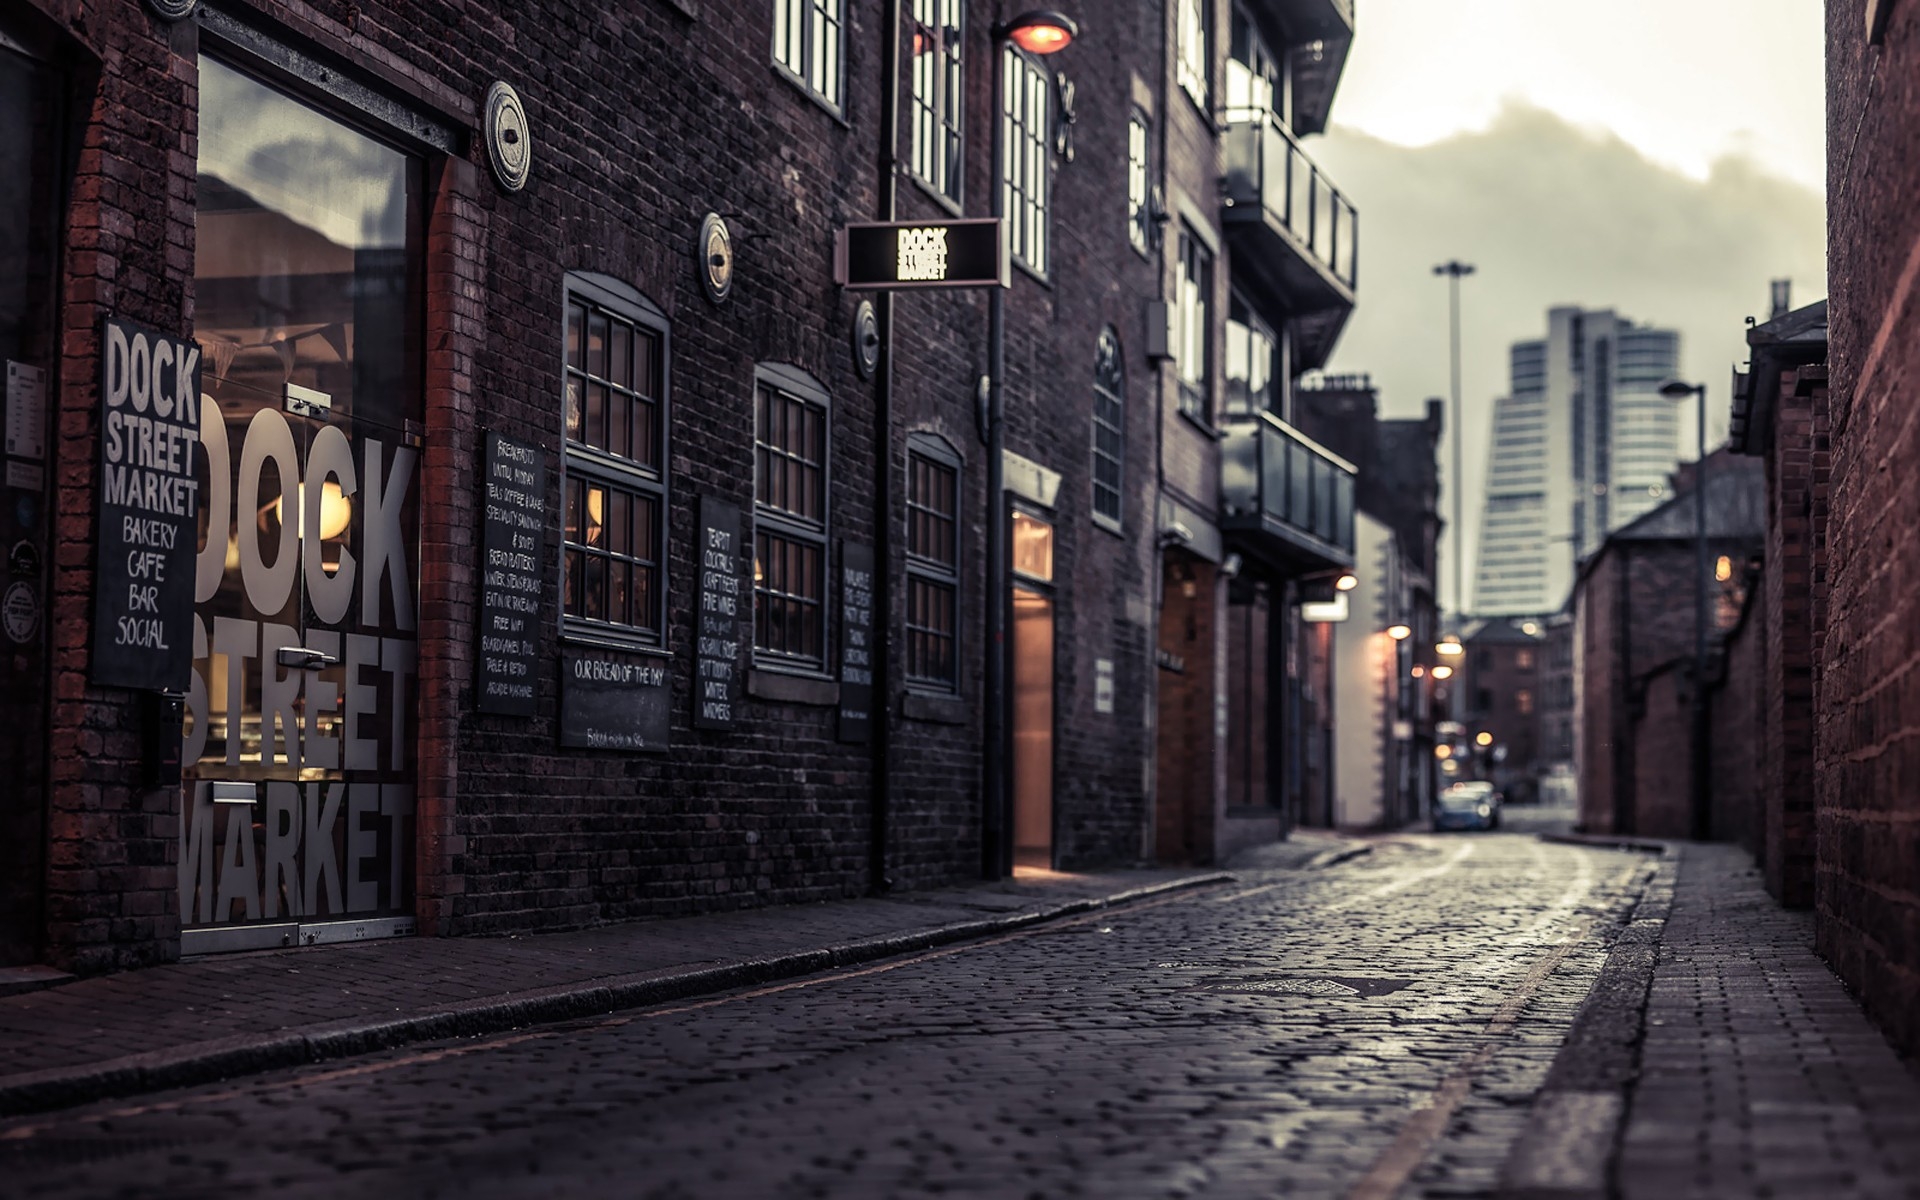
1737	703
1867	694
1662	754
1185	820
1786	834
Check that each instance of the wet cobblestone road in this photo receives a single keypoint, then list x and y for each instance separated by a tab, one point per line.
1375	1028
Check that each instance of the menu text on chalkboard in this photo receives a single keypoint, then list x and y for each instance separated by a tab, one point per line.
856	642
609	703
149	508
716	647
513	532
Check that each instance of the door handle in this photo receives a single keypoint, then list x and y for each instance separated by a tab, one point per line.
303	659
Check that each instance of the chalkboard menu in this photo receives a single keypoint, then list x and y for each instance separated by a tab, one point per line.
856	642
513	534
613	704
716	647
149	508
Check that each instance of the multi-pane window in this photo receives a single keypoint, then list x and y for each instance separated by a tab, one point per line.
937	94
790	526
1139	194
1025	105
933	565
1250	356
1195	288
616	486
807	38
1109	428
1191	47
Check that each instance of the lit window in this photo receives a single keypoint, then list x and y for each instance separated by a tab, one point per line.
1522	701
1109	428
1025	105
616	490
1723	569
790	524
933	564
806	43
937	94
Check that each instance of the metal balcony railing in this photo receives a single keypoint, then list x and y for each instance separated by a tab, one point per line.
1267	169
1270	473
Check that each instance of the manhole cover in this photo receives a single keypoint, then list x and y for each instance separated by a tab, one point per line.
1341	987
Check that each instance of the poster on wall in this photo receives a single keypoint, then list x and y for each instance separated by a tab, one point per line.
148	508
716	648
856	642
513	530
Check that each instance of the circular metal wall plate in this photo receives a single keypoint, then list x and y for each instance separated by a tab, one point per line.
173	10
866	340
715	250
509	146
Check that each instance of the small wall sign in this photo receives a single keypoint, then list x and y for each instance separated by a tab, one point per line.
856	642
1103	685
716	647
609	703
513	534
149	508
923	254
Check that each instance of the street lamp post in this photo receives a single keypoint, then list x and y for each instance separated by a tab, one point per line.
1036	32
1699	811
1455	270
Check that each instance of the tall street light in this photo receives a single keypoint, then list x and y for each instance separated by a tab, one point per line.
1699	811
1040	31
1455	270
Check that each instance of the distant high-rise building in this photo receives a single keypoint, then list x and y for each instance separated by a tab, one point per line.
1582	443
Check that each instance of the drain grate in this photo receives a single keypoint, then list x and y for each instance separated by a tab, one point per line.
1338	987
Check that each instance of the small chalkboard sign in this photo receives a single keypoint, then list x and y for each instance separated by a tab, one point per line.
149	508
856	642
609	703
513	533
716	647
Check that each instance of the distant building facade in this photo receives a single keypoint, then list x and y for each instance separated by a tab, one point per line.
1582	445
1501	703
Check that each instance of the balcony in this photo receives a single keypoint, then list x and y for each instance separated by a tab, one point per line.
1289	501
1318	34
1293	234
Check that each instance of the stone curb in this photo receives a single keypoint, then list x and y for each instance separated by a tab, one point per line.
1572	1136
242	1054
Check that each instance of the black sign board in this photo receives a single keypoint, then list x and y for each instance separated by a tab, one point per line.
856	642
716	646
513	534
149	508
923	254
609	703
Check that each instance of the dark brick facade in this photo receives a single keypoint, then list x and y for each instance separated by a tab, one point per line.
1867	689
643	117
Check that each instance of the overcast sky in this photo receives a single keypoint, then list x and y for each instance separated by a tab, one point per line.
1663	158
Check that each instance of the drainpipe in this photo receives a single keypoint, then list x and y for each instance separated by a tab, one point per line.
878	881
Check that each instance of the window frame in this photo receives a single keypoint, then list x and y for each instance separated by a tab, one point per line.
1194	74
591	462
940	453
784	523
806	9
1196	394
947	110
1109	385
1029	221
1140	171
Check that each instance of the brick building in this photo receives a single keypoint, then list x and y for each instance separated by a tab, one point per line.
1500	687
562	543
1633	648
1867	878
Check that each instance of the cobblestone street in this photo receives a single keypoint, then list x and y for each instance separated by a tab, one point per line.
1372	1028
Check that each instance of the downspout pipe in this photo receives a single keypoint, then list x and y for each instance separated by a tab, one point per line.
879	882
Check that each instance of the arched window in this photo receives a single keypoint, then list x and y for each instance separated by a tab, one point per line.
1109	428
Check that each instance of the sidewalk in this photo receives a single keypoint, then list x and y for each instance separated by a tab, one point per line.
207	1019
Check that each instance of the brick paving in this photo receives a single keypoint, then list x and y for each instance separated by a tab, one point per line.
1759	1075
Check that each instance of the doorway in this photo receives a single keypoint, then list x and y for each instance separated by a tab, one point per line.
1031	678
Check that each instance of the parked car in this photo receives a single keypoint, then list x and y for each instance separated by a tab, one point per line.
1468	805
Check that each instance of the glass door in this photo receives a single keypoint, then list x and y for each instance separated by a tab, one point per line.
298	807
1031	678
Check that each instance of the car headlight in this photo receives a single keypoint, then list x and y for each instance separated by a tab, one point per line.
1484	811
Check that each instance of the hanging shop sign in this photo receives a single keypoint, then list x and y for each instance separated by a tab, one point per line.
716	648
856	642
512	548
923	254
149	507
608	703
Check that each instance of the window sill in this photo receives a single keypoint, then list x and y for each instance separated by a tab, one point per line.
935	710
1109	525
935	194
609	639
1024	268
783	688
1200	423
815	98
